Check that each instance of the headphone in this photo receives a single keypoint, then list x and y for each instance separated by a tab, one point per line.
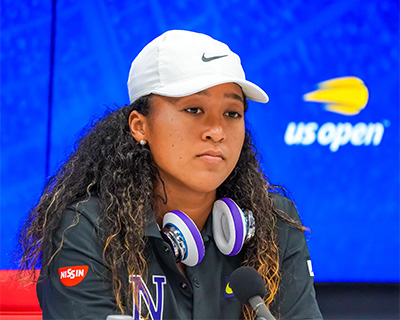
232	227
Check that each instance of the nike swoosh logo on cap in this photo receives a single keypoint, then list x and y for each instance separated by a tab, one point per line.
205	59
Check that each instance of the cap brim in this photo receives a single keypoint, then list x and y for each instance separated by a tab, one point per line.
195	85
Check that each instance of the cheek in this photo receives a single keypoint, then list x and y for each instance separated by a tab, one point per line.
238	139
168	146
239	145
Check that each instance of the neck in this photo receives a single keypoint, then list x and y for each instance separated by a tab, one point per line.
196	205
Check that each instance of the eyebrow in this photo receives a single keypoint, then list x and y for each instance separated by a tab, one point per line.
226	95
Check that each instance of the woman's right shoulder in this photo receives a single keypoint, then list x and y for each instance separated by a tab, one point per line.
85	212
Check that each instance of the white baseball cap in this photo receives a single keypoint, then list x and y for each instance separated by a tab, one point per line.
179	63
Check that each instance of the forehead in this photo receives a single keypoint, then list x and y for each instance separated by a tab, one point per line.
226	90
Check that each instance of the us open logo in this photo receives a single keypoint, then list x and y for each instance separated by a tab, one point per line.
347	96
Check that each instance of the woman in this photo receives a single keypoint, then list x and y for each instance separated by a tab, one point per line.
100	231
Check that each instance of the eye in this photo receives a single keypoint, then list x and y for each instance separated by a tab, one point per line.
193	110
233	114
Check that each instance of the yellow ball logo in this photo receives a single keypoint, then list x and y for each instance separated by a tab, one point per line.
345	95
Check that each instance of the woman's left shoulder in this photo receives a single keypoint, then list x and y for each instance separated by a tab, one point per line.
286	205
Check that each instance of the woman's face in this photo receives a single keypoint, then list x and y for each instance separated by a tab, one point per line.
196	140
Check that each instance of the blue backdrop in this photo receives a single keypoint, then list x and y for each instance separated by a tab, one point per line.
336	150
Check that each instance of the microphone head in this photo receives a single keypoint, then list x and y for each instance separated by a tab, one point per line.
246	283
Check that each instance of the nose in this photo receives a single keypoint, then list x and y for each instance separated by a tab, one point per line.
214	132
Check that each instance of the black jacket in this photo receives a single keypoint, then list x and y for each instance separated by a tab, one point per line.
79	286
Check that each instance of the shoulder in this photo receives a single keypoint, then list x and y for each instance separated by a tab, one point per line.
285	205
79	234
77	274
85	212
296	295
290	234
80	222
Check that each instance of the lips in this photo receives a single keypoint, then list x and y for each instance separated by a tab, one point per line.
212	156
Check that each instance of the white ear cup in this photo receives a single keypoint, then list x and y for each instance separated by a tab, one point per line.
229	226
188	235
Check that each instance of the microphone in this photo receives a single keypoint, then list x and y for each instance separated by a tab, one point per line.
248	286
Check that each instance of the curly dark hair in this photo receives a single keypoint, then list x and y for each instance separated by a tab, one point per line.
108	162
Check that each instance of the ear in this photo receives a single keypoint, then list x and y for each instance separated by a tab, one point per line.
138	125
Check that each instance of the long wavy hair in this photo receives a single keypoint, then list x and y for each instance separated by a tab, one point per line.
108	162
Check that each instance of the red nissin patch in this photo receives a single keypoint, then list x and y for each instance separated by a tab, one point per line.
71	276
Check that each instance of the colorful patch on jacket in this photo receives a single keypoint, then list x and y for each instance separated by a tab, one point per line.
71	276
155	307
228	293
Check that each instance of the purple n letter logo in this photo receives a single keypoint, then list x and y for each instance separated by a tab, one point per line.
140	291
